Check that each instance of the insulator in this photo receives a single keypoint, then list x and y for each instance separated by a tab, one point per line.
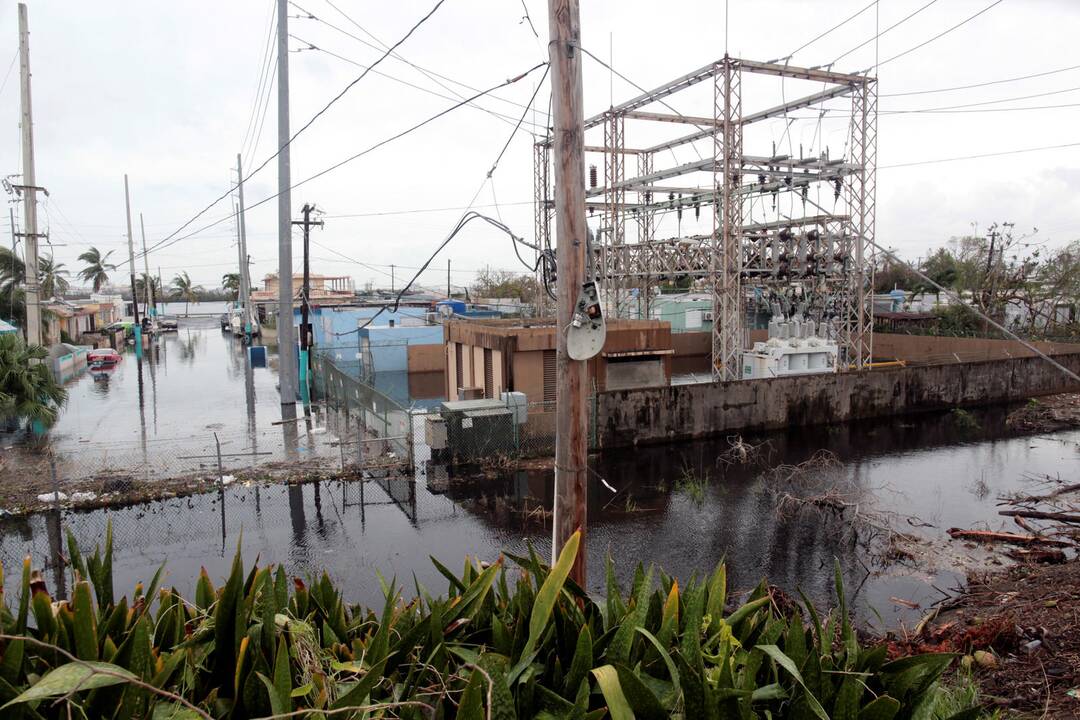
697	210
648	197
837	185
592	176
761	178
671	198
591	210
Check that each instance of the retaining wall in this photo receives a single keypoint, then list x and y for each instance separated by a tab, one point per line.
684	412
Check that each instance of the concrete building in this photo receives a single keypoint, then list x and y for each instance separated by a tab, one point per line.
325	289
687	312
487	357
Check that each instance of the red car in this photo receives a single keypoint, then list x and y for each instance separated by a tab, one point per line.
106	357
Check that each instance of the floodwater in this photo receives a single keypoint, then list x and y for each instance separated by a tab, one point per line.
683	507
160	415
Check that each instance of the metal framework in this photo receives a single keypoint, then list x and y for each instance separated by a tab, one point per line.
817	259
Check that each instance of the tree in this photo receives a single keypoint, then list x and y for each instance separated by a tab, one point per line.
51	278
230	283
28	390
492	283
12	277
97	268
155	288
184	289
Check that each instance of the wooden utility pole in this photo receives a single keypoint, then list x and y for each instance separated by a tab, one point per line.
571	450
447	278
29	186
286	337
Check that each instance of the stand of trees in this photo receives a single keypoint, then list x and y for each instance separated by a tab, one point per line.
994	273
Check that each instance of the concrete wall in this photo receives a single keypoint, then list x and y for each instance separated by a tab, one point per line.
683	412
923	348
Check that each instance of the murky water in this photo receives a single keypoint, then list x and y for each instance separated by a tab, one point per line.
682	507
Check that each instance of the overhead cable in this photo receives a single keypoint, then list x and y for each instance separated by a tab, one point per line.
173	239
980	84
306	125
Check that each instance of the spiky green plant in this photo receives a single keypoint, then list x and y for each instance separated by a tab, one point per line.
528	643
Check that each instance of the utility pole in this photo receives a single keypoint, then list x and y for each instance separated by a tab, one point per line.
161	285
33	295
571	450
151	306
245	281
131	263
286	337
391	278
305	308
447	278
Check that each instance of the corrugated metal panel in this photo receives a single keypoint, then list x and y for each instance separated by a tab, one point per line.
549	376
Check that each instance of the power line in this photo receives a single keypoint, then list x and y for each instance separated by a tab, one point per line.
415	211
8	73
981	84
306	125
940	34
172	240
987	102
834	27
505	118
264	66
982	155
882	32
380	46
979	110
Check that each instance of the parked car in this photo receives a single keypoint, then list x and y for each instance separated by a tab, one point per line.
225	324
167	324
102	358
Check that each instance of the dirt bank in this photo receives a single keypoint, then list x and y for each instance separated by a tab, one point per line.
1019	631
1047	414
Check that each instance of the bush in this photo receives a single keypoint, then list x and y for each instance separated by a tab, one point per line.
502	644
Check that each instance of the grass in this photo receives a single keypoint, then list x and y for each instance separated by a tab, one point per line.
692	484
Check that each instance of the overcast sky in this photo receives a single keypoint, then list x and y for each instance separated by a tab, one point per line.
166	91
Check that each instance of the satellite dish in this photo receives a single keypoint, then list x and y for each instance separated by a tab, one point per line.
587	331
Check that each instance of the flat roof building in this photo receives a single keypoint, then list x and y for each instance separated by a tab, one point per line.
485	358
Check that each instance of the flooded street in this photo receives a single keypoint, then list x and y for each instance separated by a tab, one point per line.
682	507
158	416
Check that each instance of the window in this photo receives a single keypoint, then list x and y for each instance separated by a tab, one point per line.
549	376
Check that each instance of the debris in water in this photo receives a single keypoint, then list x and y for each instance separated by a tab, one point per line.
52	497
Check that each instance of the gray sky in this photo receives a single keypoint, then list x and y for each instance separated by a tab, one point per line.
165	92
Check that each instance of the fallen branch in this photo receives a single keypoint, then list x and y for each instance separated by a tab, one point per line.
1005	537
1048	557
1042	515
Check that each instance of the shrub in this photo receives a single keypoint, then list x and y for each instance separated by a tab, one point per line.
502	644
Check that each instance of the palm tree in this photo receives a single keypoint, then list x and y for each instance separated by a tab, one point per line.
97	267
184	289
51	280
231	282
155	288
28	390
12	277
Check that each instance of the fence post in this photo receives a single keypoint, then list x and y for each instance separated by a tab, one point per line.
409	440
55	481
220	469
360	446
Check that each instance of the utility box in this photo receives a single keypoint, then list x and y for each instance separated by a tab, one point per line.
471	393
478	429
518	404
435	432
